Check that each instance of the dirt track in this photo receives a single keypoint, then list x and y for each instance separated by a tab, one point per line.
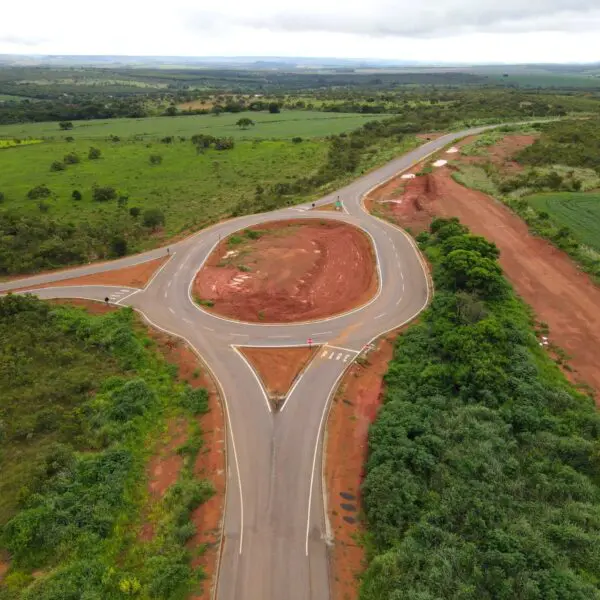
296	271
542	275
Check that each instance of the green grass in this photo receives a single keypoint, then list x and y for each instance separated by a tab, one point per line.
6	143
189	188
578	211
286	124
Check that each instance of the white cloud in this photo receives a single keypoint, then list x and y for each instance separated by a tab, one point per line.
432	30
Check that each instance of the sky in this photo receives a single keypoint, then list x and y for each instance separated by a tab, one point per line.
465	31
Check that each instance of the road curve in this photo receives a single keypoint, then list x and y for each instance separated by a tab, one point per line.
276	536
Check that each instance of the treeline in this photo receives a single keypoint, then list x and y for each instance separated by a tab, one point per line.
573	143
482	479
82	397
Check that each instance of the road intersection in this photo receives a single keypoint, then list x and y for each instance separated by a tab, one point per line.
275	531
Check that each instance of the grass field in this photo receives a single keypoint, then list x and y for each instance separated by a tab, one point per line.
578	211
286	124
189	188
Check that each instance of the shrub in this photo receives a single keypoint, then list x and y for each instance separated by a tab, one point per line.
296	140
71	158
118	246
69	138
39	191
195	400
94	153
2	197
57	165
103	194
155	159
65	125
134	211
153	218
76	195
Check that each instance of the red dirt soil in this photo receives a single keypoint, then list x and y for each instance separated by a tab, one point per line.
354	408
546	278
297	271
164	467
501	153
278	368
135	276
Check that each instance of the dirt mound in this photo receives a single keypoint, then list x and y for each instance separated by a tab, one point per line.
546	278
278	368
289	271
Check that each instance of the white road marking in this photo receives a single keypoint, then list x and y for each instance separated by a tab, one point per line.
169	284
331	355
338	356
171	310
208	328
234	334
253	371
346	358
187	320
322	333
124	291
324	354
341	348
379	316
128	295
280	337
159	270
165	294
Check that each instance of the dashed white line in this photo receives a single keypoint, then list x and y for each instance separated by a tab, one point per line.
171	310
323	333
187	320
379	316
169	284
280	337
234	334
208	328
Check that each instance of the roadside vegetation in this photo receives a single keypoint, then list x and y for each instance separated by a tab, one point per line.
84	401
482	478
555	193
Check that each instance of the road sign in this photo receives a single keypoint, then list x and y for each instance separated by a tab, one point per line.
309	342
338	205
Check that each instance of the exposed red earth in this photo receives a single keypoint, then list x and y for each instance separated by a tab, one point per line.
278	368
295	271
135	276
354	408
545	277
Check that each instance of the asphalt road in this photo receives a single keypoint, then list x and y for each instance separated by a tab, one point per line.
276	535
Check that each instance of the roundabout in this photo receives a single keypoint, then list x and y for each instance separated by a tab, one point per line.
275	533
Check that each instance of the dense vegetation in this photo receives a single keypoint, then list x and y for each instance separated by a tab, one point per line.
81	400
482	476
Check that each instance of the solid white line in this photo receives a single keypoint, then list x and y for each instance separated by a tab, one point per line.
260	384
298	379
159	270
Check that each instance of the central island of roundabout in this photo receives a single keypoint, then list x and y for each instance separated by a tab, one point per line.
361	278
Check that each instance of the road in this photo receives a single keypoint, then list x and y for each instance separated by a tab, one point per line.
276	534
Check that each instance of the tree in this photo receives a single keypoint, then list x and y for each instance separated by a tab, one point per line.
118	246
71	158
65	125
155	159
134	211
103	194
153	218
39	191
57	165
171	111
76	195
94	153
244	123
274	108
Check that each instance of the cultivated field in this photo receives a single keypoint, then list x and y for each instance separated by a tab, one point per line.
286	124
580	212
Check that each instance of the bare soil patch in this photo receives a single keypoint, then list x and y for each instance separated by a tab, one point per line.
278	368
354	408
500	154
545	277
289	271
135	276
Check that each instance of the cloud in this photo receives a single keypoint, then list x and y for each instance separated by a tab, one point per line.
405	18
20	41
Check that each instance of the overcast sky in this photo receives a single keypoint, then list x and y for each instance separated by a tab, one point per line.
424	30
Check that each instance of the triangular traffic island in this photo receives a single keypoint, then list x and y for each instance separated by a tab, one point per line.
278	367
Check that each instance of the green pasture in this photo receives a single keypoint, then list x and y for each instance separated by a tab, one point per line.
578	211
286	124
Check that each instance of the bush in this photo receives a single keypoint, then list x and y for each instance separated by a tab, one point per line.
134	211
118	246
153	218
2	197
71	158
65	125
195	400
103	194
155	159
76	195
39	191
94	153
296	140
57	165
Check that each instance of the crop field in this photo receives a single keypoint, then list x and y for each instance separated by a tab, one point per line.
578	211
283	125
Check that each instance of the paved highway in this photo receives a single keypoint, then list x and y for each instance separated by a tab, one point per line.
276	534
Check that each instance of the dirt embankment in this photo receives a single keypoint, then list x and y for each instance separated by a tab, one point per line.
546	278
164	466
354	408
289	271
136	276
